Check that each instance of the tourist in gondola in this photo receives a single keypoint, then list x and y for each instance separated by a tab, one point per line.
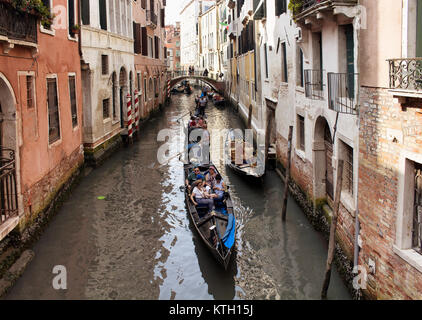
195	175
219	187
210	176
199	196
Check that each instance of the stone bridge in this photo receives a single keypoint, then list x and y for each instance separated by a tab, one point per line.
176	77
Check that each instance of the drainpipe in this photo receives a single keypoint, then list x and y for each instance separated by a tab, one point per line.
357	225
80	31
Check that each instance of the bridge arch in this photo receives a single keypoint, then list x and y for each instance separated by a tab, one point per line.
214	84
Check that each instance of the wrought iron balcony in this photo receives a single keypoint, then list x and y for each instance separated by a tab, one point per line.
152	19
8	190
17	25
342	89
406	74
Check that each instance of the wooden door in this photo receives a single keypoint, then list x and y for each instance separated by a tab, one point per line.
329	175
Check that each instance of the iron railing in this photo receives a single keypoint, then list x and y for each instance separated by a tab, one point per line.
17	25
314	84
342	88
8	190
152	18
406	74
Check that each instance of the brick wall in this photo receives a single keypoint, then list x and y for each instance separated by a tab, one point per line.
379	169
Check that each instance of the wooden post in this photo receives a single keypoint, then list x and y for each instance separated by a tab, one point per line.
286	188
332	242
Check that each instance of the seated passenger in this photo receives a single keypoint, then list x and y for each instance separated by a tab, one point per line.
199	196
210	176
194	175
219	187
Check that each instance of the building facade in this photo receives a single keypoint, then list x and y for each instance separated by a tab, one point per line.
172	44
40	110
107	73
189	32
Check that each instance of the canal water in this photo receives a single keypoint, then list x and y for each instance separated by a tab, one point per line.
138	243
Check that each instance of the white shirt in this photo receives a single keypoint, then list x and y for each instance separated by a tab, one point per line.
198	194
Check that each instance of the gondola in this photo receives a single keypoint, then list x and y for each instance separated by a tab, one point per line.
218	100
249	170
217	230
188	89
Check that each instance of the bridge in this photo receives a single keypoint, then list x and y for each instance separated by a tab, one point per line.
178	76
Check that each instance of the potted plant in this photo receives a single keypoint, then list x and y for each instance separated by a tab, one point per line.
75	29
295	6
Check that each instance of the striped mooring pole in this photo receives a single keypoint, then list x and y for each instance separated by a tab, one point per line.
129	116
136	110
168	88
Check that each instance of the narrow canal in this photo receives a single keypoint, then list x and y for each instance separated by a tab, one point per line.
138	243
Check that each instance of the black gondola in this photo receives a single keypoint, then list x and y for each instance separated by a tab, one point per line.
217	230
218	100
247	169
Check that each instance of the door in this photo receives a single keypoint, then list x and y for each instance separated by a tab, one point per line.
122	123
329	176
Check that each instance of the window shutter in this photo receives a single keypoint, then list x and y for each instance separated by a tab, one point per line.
280	7
162	18
157	53
143	4
71	13
137	37
85	12
103	15
144	41
261	13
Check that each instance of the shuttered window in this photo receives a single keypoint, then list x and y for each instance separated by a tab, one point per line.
143	4
106	108
53	111
72	94
260	12
301	132
71	16
284	75
144	41
163	13
157	44
85	12
137	38
103	14
30	91
280	7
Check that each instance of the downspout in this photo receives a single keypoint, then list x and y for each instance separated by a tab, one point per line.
80	31
357	225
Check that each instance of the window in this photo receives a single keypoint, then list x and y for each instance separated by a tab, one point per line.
280	7
53	111
301	133
85	12
284	75
417	211
72	93
150	48
300	71
114	94
71	17
103	14
139	87
104	64
106	109
150	92
48	5
145	90
346	153
30	92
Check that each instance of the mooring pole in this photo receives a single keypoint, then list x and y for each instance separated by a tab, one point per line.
286	188
332	242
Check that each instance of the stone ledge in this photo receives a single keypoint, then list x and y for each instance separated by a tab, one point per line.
15	271
410	256
8	226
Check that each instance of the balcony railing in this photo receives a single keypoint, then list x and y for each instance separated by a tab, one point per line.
313	84
406	74
309	5
8	190
17	25
342	88
152	18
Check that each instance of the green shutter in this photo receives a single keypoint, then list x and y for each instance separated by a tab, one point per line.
261	12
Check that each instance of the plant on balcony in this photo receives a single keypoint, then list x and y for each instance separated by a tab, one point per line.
75	29
295	6
34	7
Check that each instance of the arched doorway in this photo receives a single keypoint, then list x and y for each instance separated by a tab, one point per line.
8	149
122	94
323	160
